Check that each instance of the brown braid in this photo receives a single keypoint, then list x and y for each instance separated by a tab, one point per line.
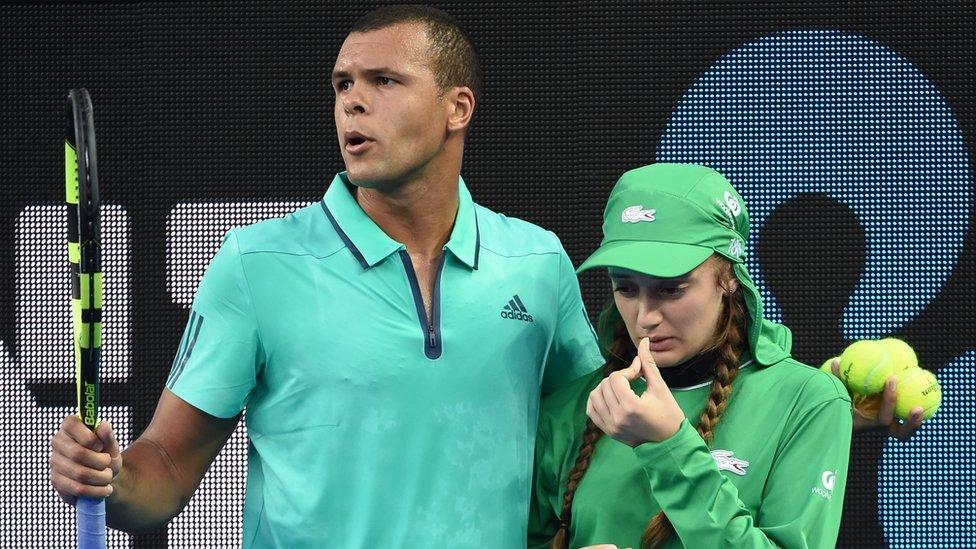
619	350
730	339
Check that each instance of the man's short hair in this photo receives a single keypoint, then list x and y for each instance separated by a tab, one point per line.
454	61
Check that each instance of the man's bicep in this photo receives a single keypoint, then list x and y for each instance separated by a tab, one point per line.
217	363
187	437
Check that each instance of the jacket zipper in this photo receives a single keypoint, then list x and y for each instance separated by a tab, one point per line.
430	328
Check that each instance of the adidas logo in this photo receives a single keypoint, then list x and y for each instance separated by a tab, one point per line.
515	310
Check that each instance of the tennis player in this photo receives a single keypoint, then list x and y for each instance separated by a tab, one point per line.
701	430
389	344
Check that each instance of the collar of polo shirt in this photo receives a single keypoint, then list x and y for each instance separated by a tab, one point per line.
371	245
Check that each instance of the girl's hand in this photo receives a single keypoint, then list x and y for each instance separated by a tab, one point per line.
619	412
878	411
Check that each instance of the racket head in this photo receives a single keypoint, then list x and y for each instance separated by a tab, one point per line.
81	123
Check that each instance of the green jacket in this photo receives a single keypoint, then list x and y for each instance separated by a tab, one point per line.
774	476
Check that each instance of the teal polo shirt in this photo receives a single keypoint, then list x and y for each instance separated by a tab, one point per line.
367	425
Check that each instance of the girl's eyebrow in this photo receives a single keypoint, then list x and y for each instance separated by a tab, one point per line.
623	277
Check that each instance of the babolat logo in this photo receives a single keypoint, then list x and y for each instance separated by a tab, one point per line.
515	310
90	404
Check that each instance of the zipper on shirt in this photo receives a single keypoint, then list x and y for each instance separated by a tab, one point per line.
431	329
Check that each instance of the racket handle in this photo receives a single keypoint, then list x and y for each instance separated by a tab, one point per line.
91	523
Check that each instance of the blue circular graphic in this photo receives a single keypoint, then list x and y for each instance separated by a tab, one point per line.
824	111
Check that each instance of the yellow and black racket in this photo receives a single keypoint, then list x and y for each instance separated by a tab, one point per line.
84	255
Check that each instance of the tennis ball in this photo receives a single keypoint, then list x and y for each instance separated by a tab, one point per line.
826	365
917	387
901	353
864	367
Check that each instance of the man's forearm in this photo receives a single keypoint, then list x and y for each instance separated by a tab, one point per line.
148	491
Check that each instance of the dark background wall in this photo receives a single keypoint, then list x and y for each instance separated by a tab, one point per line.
210	114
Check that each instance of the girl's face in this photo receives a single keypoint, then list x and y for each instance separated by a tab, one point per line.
679	315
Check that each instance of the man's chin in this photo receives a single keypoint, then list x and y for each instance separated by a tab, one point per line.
362	176
372	178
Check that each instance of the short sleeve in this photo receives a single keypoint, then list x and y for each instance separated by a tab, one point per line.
574	351
220	354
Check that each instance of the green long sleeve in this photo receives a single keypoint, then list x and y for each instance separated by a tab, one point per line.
801	504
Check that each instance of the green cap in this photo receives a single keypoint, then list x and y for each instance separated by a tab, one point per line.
664	220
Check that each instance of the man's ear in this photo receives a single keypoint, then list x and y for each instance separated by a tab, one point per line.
461	108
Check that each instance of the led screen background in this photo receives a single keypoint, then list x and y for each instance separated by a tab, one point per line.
848	130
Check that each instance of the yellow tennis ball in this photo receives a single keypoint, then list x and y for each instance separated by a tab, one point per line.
901	353
917	387
864	367
826	365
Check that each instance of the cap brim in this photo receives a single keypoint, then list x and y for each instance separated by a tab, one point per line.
661	259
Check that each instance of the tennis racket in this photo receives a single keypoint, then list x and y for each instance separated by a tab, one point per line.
84	256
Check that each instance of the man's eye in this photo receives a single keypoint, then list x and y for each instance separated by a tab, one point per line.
343	85
670	291
383	81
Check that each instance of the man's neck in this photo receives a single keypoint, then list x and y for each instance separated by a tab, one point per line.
420	214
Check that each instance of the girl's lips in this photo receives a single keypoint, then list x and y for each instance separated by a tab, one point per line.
661	344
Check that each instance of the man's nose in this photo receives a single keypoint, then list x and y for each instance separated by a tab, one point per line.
354	101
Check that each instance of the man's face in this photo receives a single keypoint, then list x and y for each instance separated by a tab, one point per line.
390	122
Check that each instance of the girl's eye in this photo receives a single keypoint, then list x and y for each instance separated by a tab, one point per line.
670	291
625	290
